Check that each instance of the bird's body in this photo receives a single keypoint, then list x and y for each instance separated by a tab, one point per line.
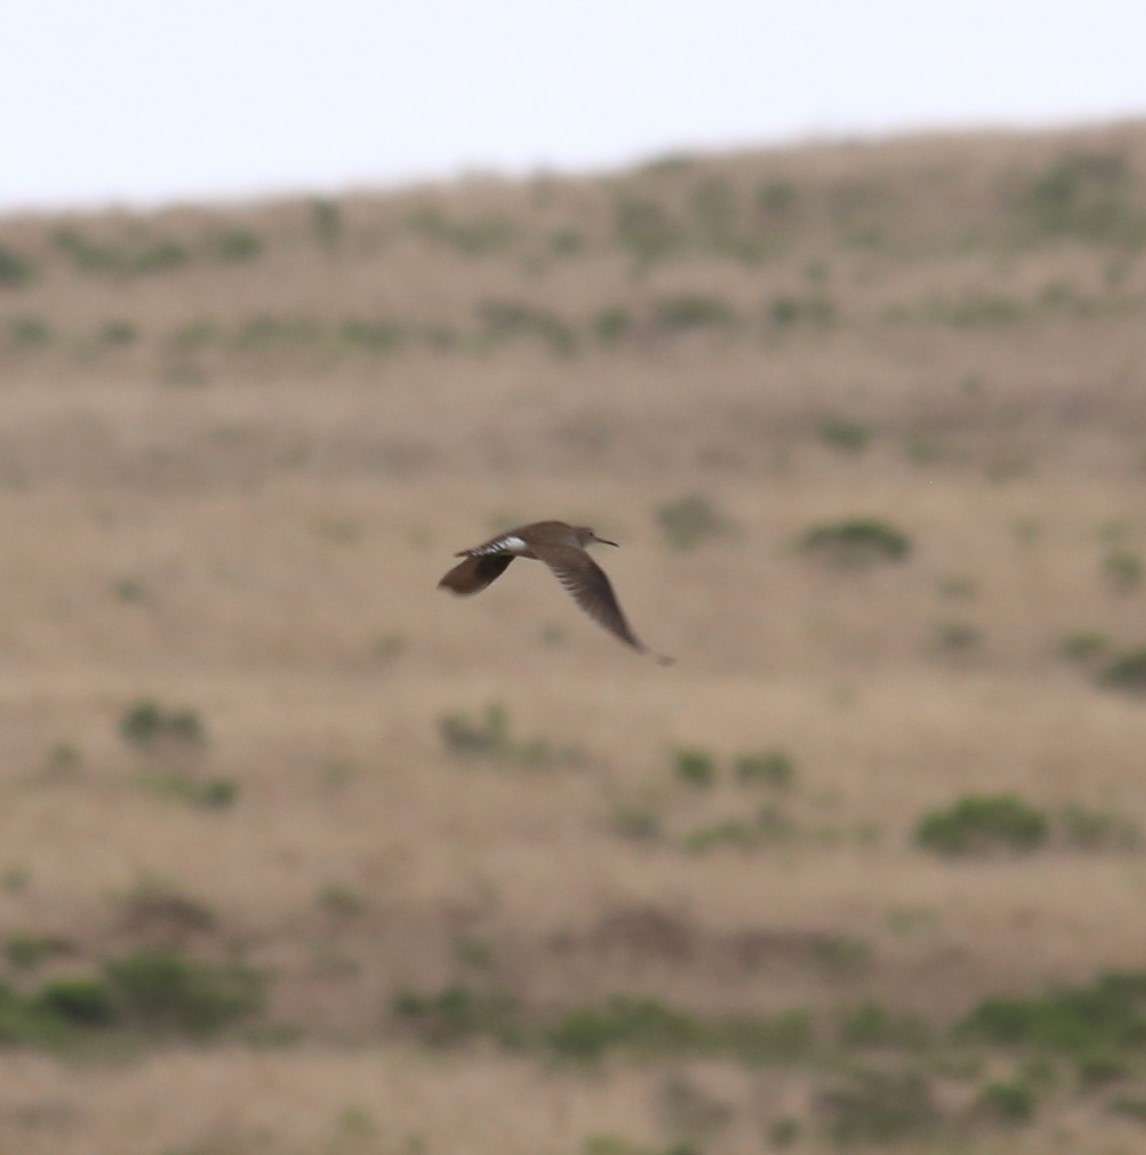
562	548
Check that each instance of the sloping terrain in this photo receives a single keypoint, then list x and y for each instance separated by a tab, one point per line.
298	853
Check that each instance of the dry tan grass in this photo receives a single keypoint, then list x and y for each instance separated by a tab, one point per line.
315	1099
263	548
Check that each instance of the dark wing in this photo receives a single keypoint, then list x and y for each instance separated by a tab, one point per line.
591	590
475	573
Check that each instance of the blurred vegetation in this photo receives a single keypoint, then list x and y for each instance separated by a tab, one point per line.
857	542
939	331
981	823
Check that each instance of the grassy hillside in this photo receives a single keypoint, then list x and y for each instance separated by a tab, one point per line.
299	854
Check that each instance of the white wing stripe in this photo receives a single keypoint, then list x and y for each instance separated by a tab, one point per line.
508	544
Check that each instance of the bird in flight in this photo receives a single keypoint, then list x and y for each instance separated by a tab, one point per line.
562	548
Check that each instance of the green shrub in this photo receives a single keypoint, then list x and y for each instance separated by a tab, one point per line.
645	228
639	1024
81	1002
771	767
466	737
843	434
692	311
185	726
374	336
815	310
637	823
1130	1107
611	326
29	333
1086	196
162	991
490	739
770	827
616	1145
1122	571
219	793
147	724
152	904
689	521
1006	1103
731	832
981	310
194	335
773	825
1098	829
24	1023
326	222
158	256
786	1037
26	951
135	254
442	338
86	255
783	1133
1107	1017
143	723
340	900
567	242
16	270
777	199
695	767
1126	672
483	236
119	333
1100	1070
1084	645
839	956
871	1026
979	823
503	320
713	207
236	246
878	1107
958	636
258	334
456	1013
857	542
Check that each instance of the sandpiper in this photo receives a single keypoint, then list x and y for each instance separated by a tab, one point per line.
562	548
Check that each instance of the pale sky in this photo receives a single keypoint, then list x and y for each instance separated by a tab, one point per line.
142	101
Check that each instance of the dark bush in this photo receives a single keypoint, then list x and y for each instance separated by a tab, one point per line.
693	311
148	723
878	1107
1006	1103
16	270
163	991
1109	1017
978	823
771	767
82	1002
857	542
1127	672
696	767
642	1024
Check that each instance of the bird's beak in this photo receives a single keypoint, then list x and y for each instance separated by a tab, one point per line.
604	540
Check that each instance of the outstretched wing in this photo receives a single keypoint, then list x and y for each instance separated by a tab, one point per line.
472	575
591	590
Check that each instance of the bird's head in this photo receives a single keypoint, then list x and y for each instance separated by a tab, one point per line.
585	536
